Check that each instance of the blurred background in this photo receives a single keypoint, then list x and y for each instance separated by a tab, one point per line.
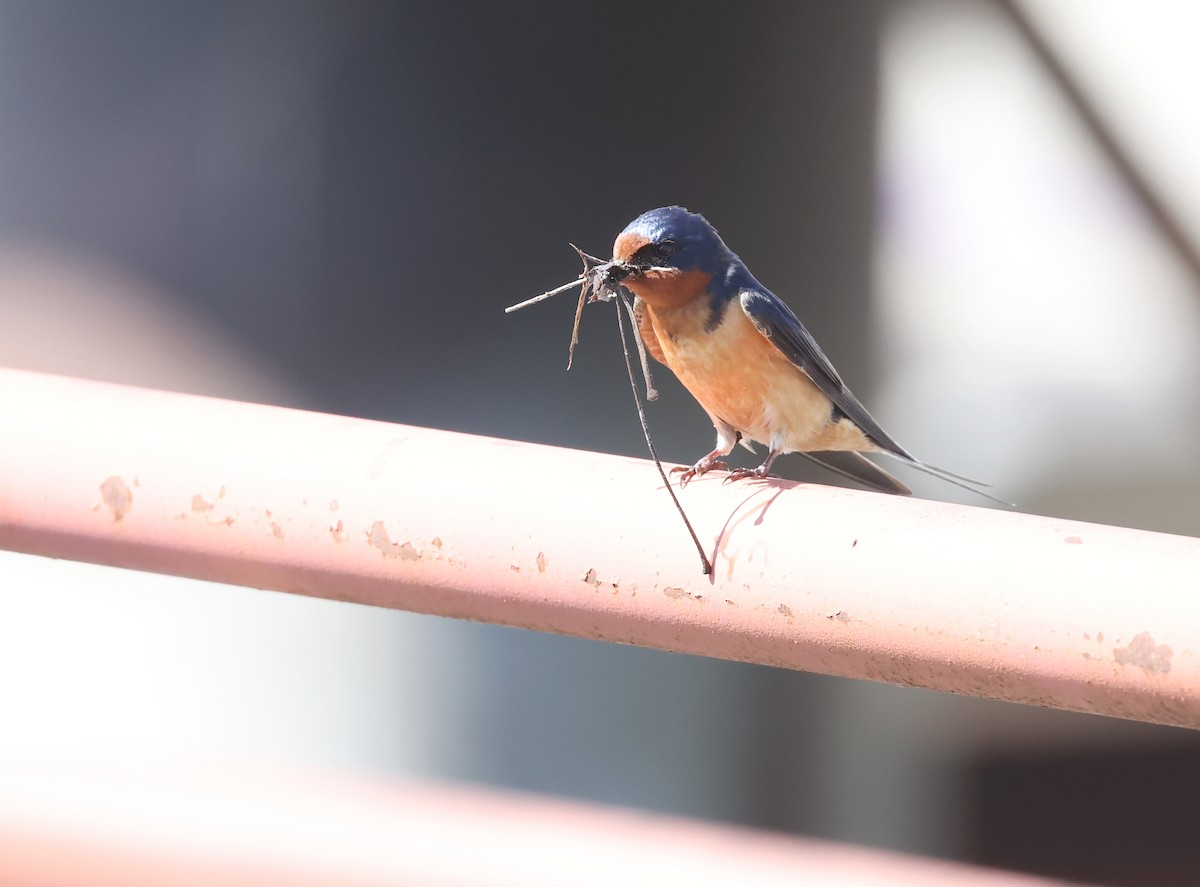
986	212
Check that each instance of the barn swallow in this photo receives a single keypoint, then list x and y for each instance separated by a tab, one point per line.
743	354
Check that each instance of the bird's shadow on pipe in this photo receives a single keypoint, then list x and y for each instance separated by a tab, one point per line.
721	551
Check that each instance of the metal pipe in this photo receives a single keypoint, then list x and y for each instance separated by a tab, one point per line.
241	823
986	603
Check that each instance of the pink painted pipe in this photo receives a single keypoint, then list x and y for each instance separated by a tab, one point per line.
239	824
981	602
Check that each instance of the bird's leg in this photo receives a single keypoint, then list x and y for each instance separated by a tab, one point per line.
763	470
708	463
726	439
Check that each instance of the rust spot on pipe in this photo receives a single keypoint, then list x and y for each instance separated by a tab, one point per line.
377	537
117	497
1145	654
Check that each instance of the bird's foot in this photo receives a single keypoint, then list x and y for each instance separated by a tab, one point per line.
740	473
704	466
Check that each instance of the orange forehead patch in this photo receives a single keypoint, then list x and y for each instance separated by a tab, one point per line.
627	246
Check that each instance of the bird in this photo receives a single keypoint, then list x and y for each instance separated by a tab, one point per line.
744	356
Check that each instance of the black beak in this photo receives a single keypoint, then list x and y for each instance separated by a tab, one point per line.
606	278
615	272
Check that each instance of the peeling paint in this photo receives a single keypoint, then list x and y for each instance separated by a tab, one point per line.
785	610
200	505
379	463
1145	654
117	496
541	562
516	568
674	592
276	530
839	615
436	542
590	578
377	537
338	532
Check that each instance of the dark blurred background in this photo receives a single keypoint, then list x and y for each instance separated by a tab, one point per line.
328	205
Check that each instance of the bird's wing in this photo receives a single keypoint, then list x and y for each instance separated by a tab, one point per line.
783	329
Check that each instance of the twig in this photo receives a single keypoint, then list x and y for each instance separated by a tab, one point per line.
637	399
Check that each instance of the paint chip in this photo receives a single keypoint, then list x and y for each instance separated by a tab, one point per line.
377	537
117	496
1145	654
199	504
541	562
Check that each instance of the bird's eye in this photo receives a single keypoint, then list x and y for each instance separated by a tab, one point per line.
665	249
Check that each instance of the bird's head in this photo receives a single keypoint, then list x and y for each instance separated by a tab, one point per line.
668	257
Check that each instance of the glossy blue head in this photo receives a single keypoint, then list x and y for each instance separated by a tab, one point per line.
669	256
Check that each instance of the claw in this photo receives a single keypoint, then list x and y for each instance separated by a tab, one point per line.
702	467
742	473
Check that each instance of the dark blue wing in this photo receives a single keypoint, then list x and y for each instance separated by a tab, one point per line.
775	320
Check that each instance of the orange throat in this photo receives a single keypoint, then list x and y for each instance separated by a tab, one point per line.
668	288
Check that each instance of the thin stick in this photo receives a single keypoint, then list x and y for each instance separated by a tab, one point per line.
637	398
544	296
651	391
586	277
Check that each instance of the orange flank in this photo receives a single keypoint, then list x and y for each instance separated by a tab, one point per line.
739	377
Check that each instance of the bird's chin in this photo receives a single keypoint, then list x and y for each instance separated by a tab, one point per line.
666	288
